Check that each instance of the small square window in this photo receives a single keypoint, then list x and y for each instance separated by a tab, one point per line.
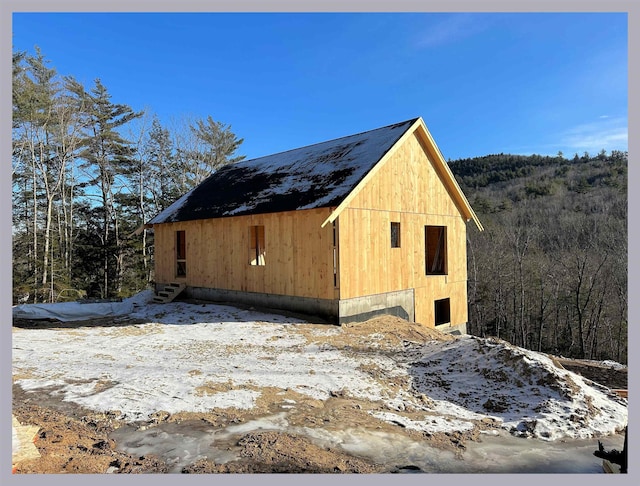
395	235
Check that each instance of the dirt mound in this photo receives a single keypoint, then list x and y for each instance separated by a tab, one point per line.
609	376
395	330
382	332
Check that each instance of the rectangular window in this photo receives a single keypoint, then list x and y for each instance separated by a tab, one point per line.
442	312
181	254
335	254
395	235
435	240
256	245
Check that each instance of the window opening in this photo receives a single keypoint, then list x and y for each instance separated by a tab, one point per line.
395	235
442	311
181	254
436	250
256	245
335	254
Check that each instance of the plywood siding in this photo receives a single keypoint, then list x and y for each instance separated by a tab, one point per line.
406	189
298	257
407	182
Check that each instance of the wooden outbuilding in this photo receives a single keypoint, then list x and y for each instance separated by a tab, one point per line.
372	223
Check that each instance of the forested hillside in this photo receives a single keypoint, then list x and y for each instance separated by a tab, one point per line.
549	272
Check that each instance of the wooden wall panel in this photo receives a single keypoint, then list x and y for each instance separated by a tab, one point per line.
406	189
425	298
298	256
407	182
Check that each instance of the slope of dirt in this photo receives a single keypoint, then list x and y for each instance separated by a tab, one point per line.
391	331
609	376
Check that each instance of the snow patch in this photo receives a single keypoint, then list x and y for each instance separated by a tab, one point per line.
431	424
77	311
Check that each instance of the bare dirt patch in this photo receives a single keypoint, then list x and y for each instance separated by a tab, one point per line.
272	452
75	442
609	376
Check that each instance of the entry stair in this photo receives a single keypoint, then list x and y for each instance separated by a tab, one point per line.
168	293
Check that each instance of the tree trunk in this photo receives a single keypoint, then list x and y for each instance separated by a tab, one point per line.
36	282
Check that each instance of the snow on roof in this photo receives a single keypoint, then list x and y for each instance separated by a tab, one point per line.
315	176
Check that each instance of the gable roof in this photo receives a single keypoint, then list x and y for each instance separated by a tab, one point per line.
325	174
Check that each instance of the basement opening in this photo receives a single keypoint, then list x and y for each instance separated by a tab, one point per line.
442	311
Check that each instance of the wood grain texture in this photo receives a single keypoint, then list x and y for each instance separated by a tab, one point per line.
407	189
298	254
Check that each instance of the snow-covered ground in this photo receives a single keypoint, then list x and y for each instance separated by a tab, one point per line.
200	357
74	311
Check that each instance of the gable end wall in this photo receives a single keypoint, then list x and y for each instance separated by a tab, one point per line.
406	189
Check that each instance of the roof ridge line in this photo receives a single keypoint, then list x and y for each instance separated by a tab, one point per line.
411	121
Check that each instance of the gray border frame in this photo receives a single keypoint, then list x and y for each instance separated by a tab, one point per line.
8	7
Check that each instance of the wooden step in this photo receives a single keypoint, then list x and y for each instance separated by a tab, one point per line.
168	293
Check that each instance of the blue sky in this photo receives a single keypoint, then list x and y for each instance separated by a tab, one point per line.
484	83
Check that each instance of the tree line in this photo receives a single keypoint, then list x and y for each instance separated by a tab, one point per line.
87	172
549	272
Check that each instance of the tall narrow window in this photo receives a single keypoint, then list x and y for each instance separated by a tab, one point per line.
395	235
442	311
256	245
335	254
181	254
435	240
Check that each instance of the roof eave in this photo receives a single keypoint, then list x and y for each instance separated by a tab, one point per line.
456	192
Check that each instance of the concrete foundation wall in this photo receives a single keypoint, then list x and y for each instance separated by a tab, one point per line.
358	309
326	309
399	303
456	330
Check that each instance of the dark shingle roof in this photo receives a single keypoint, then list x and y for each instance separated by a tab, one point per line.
316	176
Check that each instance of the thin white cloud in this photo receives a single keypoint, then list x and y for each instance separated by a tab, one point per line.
606	133
450	29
